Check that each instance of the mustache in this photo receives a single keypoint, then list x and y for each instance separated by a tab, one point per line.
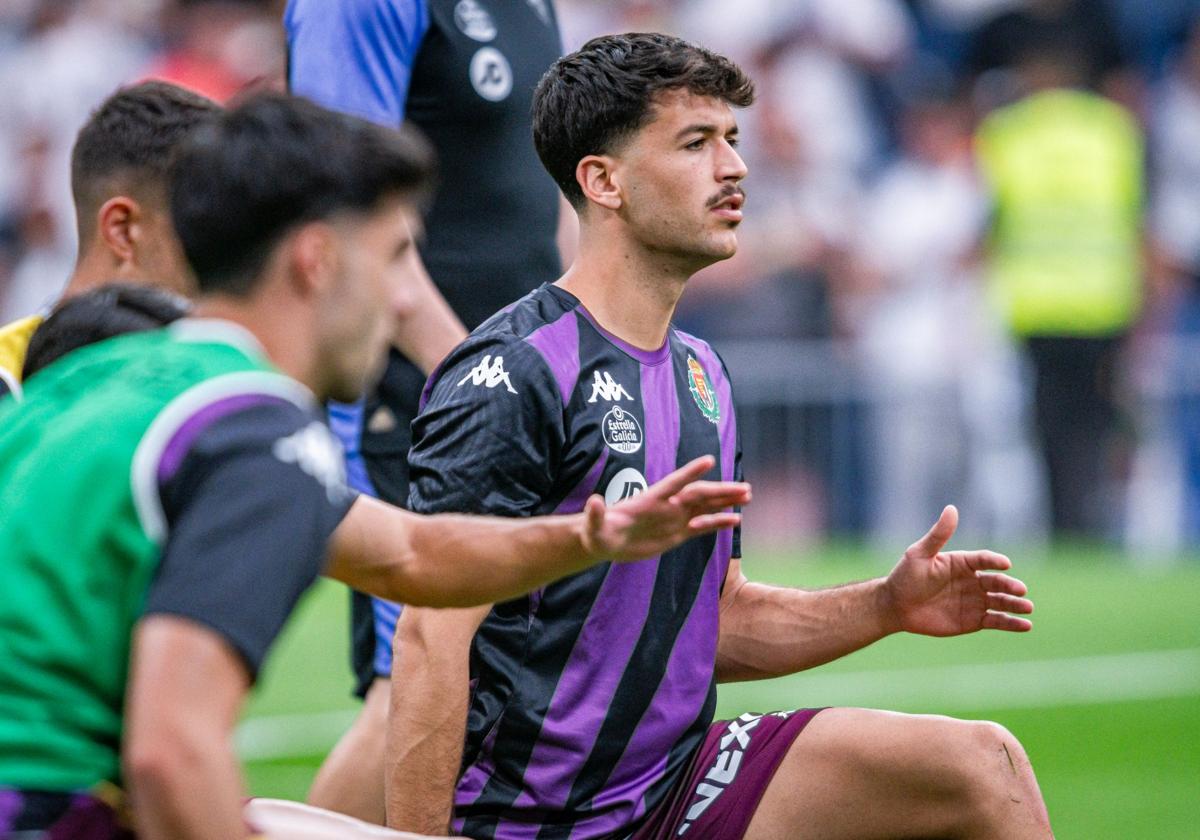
727	192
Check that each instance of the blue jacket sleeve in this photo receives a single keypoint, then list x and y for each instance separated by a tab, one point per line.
355	56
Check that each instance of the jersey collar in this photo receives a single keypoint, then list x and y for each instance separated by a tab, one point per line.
220	331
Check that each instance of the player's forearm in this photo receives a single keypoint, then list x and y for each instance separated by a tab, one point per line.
427	328
427	719
466	560
188	788
770	631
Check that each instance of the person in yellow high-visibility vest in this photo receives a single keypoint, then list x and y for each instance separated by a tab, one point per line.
1065	168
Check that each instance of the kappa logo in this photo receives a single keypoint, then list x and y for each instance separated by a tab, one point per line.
606	388
622	431
489	373
314	450
725	769
624	485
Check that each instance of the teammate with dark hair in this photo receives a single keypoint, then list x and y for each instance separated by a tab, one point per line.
588	705
119	167
97	315
166	496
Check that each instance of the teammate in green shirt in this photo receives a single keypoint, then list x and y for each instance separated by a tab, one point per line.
165	497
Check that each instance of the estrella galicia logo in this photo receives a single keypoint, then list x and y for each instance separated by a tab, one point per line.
622	432
702	391
624	485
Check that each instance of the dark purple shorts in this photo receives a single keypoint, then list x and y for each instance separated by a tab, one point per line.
720	790
51	815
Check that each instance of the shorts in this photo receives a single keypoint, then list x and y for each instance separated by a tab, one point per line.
376	435
57	815
717	795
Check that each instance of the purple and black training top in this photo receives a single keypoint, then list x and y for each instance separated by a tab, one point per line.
591	695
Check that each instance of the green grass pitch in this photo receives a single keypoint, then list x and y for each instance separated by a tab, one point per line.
1104	693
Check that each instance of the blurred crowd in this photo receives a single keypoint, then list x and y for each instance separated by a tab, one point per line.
991	208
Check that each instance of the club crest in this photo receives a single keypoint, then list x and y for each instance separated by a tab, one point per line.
702	391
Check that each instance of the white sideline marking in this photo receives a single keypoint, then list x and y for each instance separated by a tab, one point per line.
994	685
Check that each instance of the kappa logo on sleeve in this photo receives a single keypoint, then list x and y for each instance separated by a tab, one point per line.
606	388
489	373
314	450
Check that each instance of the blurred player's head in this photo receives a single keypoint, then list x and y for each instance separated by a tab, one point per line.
285	207
96	315
119	169
639	129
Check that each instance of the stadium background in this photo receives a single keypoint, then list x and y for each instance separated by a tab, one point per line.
874	381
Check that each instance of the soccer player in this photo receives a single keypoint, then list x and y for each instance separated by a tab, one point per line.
463	71
118	182
111	310
166	496
588	704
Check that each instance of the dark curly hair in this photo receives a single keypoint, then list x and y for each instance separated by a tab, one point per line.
276	161
591	100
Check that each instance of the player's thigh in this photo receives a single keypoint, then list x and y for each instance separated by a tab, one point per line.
862	773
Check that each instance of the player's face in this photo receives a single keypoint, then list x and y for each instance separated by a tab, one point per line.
374	251
681	179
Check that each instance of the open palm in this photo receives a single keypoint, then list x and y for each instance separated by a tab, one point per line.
667	513
947	593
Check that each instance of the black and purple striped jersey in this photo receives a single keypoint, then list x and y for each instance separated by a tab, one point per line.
589	695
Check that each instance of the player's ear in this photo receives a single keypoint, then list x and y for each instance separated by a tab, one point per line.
312	258
118	224
596	177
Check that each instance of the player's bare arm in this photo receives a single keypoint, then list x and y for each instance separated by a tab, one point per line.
768	631
449	560
426	327
428	715
186	686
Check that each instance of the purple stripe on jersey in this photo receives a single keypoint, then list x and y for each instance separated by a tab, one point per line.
680	697
558	342
611	632
472	782
179	444
577	498
646	357
11	803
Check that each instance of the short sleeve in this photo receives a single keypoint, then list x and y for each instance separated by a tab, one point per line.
250	512
490	435
355	56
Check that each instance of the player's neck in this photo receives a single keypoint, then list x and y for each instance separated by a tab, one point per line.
629	290
278	330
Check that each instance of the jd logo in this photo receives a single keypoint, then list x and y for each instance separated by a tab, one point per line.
621	430
489	373
606	388
491	74
624	485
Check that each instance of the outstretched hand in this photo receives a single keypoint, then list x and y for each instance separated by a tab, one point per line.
667	513
947	593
